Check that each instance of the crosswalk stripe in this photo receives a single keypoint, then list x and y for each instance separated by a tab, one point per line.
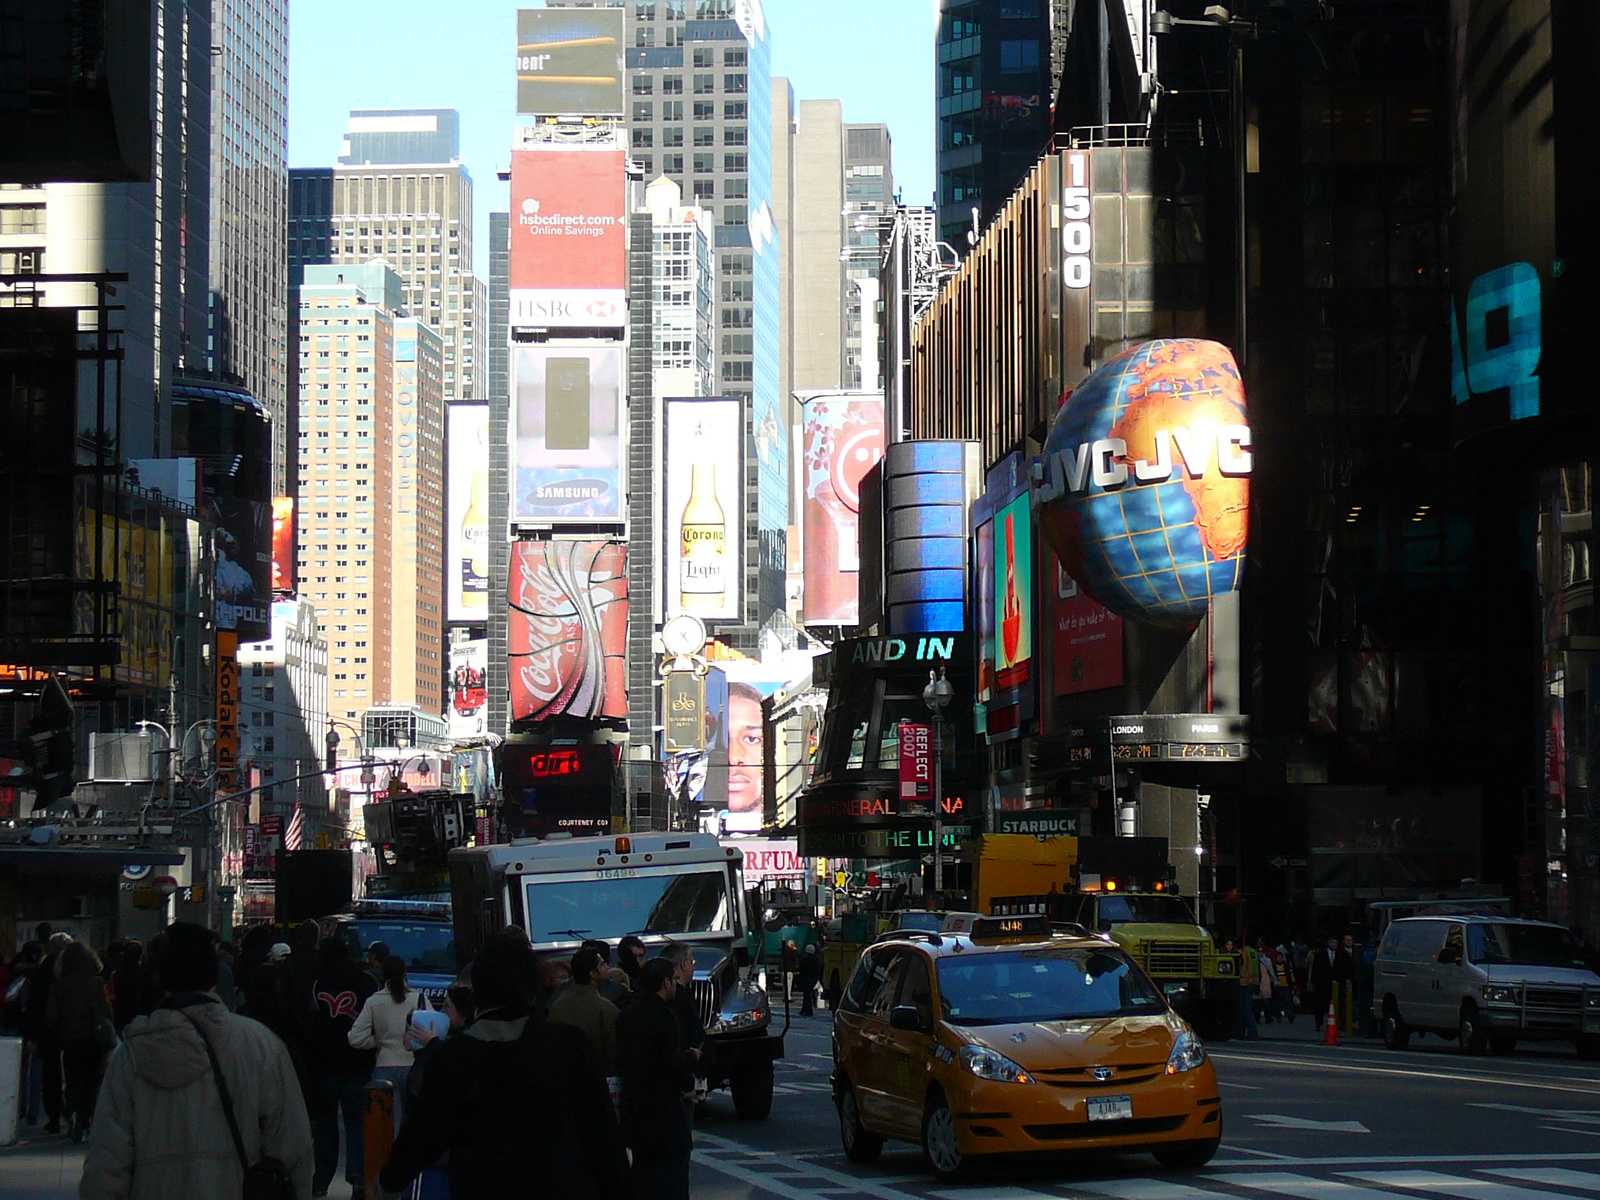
1145	1189
1303	1187
995	1193
1450	1185
1555	1176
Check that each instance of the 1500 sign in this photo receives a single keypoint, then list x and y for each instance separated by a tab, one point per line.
1077	234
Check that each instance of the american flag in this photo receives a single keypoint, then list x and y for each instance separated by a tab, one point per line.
296	832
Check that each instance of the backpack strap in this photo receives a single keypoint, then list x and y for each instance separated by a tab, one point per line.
222	1091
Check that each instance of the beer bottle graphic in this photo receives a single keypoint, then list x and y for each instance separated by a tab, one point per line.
475	542
703	554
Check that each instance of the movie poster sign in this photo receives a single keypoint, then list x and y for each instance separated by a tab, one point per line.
916	769
1013	596
705	508
566	435
282	545
567	630
569	62
843	440
469	688
243	573
569	237
466	534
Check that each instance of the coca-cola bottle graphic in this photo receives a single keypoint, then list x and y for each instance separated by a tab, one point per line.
1011	609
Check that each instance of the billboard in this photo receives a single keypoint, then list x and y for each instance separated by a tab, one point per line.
469	688
569	61
567	630
705	508
684	712
843	440
244	565
140	563
916	769
558	789
466	533
566	434
282	544
1088	640
1013	594
734	793
226	751
569	237
1145	489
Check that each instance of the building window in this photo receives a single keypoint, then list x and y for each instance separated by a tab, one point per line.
736	189
734	135
643	138
705	110
644	10
734	214
672	110
705	164
735	84
738	372
672	85
672	137
705	135
733	110
737	318
643	85
645	36
738	343
643	110
28	218
647	163
733	56
705	85
735	162
705	57
735	264
705	189
672	164
1019	56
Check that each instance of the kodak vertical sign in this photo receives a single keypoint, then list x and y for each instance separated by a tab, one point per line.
569	237
227	711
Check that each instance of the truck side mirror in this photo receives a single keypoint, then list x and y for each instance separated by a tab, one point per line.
906	1017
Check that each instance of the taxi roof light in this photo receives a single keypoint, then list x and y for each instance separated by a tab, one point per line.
1111	885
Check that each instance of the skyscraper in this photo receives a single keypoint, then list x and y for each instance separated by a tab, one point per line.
247	330
371	502
401	193
497	336
868	205
995	95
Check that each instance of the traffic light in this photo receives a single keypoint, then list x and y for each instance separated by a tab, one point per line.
50	739
330	756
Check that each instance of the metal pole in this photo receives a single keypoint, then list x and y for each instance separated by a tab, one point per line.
938	805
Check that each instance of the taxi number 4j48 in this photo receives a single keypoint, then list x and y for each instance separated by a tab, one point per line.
1110	1108
616	873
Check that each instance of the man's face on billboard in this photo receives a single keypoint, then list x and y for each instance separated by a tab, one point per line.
744	754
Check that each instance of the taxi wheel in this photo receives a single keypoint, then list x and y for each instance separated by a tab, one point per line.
1190	1157
859	1145
939	1139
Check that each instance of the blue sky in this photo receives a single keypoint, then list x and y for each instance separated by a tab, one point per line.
874	55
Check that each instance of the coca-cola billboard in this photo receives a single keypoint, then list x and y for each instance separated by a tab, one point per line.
567	630
843	440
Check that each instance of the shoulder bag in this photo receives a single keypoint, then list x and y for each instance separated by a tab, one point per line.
269	1178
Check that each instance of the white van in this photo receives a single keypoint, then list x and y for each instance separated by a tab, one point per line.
1485	981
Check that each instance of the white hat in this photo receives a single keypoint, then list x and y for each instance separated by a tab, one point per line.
279	952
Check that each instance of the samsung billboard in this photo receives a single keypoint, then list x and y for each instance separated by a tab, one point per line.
566	434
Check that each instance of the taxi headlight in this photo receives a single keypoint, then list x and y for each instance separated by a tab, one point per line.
1188	1052
995	1067
1224	966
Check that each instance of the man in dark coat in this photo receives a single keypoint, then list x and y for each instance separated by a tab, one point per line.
656	1071
339	991
1320	974
504	1079
36	1028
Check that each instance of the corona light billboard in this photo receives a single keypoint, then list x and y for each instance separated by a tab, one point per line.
705	508
466	571
1145	493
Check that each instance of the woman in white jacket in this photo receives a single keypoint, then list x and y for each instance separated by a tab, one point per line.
382	1026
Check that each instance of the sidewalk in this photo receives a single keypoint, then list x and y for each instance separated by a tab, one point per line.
40	1166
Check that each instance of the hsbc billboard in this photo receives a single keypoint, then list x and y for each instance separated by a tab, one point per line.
569	238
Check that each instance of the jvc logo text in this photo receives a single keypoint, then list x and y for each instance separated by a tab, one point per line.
1105	462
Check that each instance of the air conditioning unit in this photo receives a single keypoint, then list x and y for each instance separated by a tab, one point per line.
126	757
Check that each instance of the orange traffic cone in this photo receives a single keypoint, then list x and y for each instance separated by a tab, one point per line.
1330	1032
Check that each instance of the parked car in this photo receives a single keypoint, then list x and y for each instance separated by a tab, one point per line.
1486	981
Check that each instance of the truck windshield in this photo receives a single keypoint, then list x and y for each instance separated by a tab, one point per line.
571	908
1143	910
427	946
1043	985
1523	946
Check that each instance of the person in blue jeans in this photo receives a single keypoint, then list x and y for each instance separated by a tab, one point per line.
339	991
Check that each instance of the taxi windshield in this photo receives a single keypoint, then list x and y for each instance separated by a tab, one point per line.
1054	984
1143	910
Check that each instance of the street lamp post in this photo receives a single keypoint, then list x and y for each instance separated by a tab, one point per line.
937	697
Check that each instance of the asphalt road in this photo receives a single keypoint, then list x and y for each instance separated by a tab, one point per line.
1353	1122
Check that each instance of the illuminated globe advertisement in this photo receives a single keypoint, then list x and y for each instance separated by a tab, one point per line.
1145	493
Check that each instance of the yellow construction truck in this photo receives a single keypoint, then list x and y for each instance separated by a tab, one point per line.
1120	886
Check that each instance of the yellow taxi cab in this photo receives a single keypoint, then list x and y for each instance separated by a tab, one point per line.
998	1036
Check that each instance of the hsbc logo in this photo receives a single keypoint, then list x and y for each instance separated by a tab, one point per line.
530	206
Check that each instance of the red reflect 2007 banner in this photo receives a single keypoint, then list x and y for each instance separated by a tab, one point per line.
567	631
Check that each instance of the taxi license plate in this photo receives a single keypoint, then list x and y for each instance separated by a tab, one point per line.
1110	1108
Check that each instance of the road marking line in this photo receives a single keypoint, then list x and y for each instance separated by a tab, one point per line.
1303	1187
1577	1115
1262	1153
1248	1087
1279	1121
1559	1176
1571	1129
867	1186
1450	1185
994	1193
1145	1189
1404	1160
1255	1060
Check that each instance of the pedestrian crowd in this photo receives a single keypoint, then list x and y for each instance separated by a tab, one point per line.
185	1084
1277	980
